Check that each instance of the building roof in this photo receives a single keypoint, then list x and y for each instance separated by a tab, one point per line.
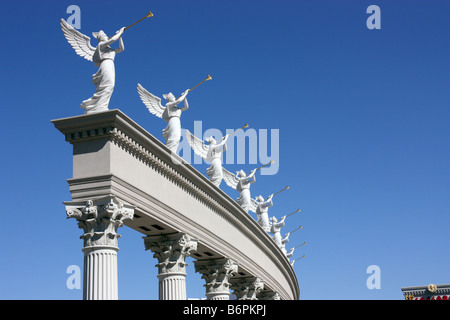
429	292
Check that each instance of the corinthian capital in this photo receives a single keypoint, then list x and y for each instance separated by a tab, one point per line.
217	273
99	219
247	288
171	251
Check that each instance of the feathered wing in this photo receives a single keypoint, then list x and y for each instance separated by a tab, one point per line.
79	42
199	147
253	206
229	178
152	102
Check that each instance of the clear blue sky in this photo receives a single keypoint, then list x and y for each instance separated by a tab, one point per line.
363	117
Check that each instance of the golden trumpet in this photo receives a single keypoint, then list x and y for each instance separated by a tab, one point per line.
300	245
207	78
287	187
265	165
295	230
149	14
298	258
290	214
245	126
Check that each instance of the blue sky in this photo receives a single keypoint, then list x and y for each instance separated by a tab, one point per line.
362	116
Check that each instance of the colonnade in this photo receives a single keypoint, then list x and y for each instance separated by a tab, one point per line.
100	220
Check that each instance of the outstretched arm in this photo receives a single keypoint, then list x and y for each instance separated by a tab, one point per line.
121	46
176	102
281	223
222	142
251	177
269	202
186	105
113	39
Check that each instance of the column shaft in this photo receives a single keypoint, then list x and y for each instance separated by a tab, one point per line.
172	286
100	274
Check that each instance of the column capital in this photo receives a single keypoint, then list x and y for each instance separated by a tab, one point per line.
247	288
171	251
269	295
217	273
99	219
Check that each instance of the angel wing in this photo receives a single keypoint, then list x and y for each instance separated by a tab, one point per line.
199	147
253	206
79	42
229	178
152	102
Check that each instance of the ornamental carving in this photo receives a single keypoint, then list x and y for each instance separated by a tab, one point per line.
217	273
171	251
247	288
99	219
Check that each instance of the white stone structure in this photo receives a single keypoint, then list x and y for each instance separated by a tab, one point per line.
122	175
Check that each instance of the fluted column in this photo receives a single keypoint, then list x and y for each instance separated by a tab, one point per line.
171	251
216	273
246	288
99	220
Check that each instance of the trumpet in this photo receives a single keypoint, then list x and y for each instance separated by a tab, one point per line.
207	78
287	187
149	14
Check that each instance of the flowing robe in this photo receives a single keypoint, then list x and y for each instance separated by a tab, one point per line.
262	213
103	79
243	187
172	132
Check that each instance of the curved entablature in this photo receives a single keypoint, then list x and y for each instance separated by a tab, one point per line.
114	156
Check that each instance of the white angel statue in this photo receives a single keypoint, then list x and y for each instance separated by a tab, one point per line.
283	246
288	254
241	182
103	57
261	208
211	153
275	229
170	113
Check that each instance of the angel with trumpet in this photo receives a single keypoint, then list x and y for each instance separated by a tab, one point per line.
286	240
211	152
241	182
103	57
261	206
291	252
275	229
170	113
